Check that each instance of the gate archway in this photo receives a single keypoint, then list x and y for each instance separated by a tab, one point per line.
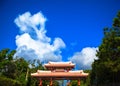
59	71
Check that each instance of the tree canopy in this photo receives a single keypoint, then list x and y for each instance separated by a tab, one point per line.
15	71
106	69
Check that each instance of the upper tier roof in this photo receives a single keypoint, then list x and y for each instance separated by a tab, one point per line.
60	64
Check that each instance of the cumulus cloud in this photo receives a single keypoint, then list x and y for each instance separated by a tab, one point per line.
33	43
84	59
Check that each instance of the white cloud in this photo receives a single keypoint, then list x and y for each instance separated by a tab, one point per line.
33	42
84	59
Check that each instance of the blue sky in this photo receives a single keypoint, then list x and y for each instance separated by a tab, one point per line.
78	23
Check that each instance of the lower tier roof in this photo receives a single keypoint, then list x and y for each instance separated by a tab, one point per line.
70	74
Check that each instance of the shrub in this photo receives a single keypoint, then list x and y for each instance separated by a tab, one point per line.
9	82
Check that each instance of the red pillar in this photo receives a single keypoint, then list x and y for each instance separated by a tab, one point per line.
51	82
78	82
40	84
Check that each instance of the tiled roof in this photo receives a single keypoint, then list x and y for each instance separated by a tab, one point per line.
59	64
41	73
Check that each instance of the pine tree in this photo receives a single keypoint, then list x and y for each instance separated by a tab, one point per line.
106	69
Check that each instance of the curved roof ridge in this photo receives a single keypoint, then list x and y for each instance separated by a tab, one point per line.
69	62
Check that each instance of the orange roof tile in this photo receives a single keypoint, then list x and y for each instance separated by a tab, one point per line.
59	64
59	74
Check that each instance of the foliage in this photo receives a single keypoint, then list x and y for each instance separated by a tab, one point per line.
9	82
16	71
83	82
75	83
106	69
7	66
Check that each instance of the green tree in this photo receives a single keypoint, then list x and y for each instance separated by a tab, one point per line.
106	69
33	67
17	71
9	82
12	69
22	70
7	66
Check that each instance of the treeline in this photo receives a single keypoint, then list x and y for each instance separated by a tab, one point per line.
106	69
16	71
